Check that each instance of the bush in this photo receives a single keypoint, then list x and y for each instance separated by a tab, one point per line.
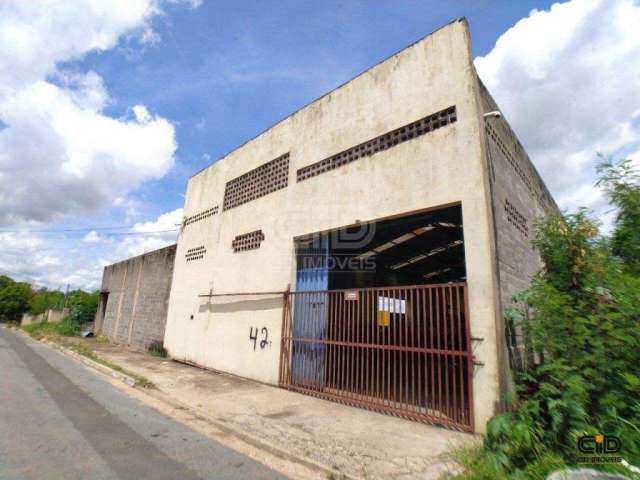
43	299
580	373
83	306
14	299
66	328
621	182
157	349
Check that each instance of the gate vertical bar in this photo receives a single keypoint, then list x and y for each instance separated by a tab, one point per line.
400	350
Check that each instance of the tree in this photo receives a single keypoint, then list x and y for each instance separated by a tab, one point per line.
83	305
14	299
43	299
580	323
4	281
17	298
621	182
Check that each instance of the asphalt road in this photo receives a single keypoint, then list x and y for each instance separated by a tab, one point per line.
59	420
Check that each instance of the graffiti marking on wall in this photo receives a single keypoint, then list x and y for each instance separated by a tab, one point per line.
264	341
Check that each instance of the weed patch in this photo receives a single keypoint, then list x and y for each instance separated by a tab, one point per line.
55	333
157	349
64	328
577	365
85	351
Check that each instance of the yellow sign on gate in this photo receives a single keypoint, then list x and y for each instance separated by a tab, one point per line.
387	306
384	319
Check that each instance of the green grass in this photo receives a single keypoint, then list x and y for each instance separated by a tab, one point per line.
65	328
479	464
87	352
157	349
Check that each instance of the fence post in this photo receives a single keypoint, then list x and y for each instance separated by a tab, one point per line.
283	333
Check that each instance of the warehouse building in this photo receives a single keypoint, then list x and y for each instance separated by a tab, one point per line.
362	249
132	309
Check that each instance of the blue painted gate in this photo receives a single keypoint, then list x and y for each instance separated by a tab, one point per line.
310	312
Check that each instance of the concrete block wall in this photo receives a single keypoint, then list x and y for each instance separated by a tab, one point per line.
136	292
54	316
49	316
28	319
519	198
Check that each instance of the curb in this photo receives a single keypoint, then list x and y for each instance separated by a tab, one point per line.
123	377
82	359
246	438
166	398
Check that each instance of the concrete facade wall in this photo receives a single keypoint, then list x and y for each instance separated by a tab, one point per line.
444	167
138	293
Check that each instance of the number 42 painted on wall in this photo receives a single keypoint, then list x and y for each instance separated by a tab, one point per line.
265	337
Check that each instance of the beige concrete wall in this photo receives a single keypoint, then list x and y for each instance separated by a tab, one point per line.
54	316
443	167
49	316
136	293
28	319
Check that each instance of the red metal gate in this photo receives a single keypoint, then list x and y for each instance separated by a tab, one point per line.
399	350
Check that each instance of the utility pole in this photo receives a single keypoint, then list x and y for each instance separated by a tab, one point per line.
66	294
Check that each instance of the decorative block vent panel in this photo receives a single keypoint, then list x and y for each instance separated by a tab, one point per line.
515	218
247	241
196	253
520	171
380	143
260	181
201	215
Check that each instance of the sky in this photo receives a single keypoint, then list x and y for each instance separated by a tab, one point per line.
107	107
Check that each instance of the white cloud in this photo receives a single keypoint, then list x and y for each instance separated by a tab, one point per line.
567	80
86	279
167	221
26	256
36	36
22	257
192	3
635	158
132	208
133	246
37	259
59	152
92	237
142	114
151	235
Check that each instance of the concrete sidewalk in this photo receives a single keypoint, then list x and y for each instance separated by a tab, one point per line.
348	440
